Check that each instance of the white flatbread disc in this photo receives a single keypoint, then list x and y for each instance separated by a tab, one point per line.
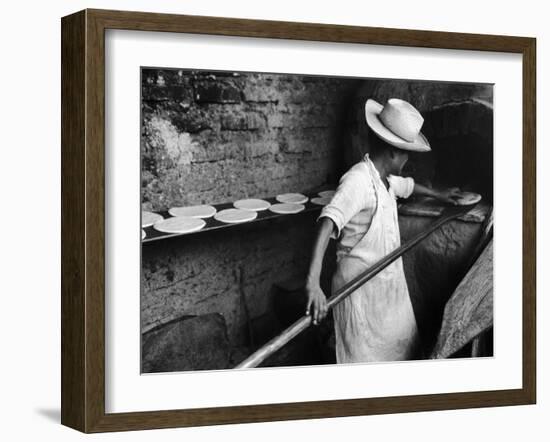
321	201
467	198
233	216
292	198
180	224
143	234
201	211
327	193
252	204
285	208
149	218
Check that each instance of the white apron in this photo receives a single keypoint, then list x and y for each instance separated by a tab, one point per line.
376	322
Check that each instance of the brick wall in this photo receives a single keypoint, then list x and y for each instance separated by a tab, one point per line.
217	137
228	273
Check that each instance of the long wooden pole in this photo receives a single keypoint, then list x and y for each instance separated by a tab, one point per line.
305	321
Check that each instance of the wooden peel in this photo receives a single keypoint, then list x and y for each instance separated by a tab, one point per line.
305	321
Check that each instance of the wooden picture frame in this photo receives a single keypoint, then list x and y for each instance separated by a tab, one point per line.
83	220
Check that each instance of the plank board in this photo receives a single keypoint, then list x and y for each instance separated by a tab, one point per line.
469	311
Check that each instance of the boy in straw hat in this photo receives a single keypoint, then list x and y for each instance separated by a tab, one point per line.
376	322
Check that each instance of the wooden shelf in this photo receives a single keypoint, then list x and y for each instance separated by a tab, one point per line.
213	224
415	207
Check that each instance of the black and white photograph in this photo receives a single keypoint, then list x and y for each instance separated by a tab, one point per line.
300	220
250	221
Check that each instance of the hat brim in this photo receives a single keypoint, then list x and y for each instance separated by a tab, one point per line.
372	112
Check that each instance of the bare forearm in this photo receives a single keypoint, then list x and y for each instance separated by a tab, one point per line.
419	189
319	248
316	299
446	195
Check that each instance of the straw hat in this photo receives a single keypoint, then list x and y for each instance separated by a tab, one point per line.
397	123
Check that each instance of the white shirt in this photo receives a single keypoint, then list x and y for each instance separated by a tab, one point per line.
353	205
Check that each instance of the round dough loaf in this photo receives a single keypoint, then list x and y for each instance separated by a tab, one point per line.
467	198
327	193
292	198
180	224
233	216
321	201
149	218
201	211
252	204
286	208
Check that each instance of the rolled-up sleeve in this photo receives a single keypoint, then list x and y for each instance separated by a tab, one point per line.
402	187
353	194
